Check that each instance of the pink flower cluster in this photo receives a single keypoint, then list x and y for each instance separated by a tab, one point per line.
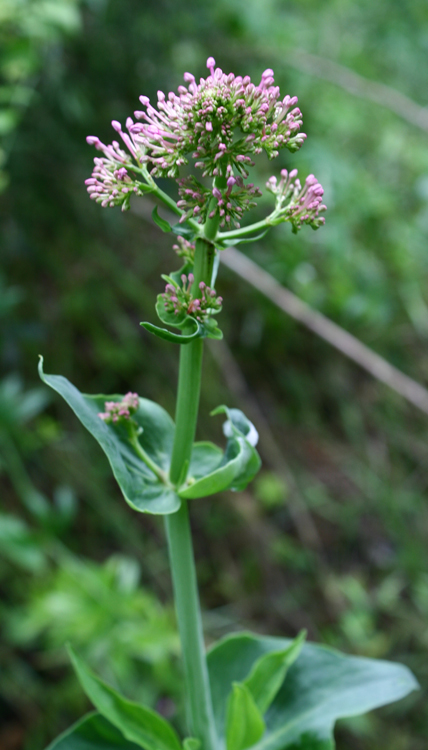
112	182
296	204
222	122
180	301
119	411
196	200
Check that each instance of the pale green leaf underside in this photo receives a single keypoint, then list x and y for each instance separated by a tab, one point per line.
320	687
93	732
137	723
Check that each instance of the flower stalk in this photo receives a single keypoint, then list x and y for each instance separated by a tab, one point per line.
199	704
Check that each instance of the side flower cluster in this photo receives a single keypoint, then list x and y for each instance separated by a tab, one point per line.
180	301
200	203
113	182
120	411
296	204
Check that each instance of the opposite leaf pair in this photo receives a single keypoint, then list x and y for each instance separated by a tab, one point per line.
146	490
268	693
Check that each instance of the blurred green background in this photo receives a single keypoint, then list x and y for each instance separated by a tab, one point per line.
332	536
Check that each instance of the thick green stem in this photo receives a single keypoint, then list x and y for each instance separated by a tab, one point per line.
200	712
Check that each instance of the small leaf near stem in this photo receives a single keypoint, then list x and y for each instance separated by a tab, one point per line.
244	722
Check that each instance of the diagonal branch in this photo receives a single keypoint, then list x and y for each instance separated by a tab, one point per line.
316	322
335	335
379	93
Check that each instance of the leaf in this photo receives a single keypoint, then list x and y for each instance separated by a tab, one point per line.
244	722
207	329
183	231
93	732
191	743
322	686
162	223
235	463
142	490
175	338
268	672
176	275
222	244
211	472
137	723
20	544
210	329
237	424
170	318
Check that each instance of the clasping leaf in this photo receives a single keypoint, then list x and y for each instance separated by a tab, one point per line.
142	490
212	471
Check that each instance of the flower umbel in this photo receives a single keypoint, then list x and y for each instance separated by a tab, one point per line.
296	204
116	412
180	301
112	181
223	121
220	123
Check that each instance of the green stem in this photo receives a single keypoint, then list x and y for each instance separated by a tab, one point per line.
141	453
236	233
200	712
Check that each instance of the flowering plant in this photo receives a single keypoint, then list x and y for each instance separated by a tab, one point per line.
249	691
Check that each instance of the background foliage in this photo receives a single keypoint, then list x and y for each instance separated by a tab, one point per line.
333	534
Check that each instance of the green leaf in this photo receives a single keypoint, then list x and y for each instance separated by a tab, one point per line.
210	329
183	230
142	490
191	743
21	545
268	672
211	471
222	244
207	329
162	223
322	686
175	276
237	424
170	318
137	723
93	732
174	338
235	463
244	722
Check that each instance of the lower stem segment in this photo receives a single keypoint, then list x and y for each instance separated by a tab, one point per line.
199	706
200	712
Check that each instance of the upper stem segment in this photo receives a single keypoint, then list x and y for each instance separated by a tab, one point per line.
200	712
